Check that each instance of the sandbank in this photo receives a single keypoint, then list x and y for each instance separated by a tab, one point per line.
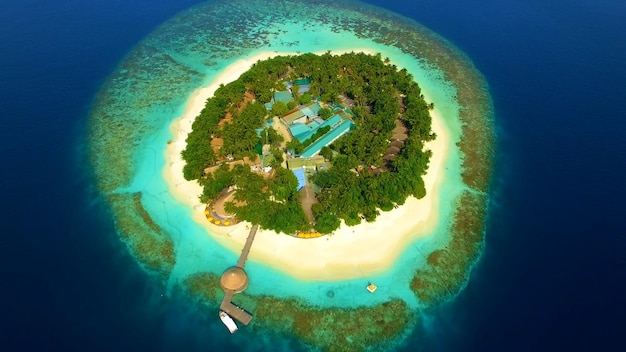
351	251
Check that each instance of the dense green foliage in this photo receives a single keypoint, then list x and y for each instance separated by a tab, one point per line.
279	108
305	98
273	204
240	137
325	113
270	136
366	176
198	153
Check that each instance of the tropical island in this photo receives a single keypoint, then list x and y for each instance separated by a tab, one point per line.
419	254
300	142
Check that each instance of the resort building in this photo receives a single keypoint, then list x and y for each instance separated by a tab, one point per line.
283	95
317	162
234	279
294	116
287	95
336	131
303	85
304	123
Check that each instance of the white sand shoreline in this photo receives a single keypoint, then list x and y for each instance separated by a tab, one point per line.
351	252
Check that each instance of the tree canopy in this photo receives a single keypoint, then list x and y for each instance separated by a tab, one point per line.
377	165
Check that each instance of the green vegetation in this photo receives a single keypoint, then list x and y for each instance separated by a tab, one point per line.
240	136
325	113
271	203
198	155
270	136
368	175
279	108
305	98
139	86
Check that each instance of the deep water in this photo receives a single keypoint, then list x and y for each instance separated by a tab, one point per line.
552	273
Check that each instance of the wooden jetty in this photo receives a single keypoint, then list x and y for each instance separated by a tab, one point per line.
246	247
234	311
235	280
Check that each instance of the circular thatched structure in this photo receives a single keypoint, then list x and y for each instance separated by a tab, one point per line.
234	279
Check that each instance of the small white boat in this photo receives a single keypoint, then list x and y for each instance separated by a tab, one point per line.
228	321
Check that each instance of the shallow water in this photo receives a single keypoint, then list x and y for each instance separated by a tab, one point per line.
553	247
197	252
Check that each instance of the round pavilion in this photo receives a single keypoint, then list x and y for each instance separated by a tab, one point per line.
234	279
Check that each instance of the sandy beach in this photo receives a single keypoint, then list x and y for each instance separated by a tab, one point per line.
350	252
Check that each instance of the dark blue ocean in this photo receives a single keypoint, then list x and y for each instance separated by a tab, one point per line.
553	272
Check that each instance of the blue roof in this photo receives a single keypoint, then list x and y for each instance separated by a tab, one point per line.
307	111
312	110
299	129
303	81
302	132
326	139
300	82
314	125
300	176
332	121
283	96
304	88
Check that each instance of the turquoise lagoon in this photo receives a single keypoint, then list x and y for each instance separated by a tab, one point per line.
130	128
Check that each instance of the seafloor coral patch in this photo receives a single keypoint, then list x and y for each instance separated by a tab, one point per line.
331	329
159	74
447	268
143	237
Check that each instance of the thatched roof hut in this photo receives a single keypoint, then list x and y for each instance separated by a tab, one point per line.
234	279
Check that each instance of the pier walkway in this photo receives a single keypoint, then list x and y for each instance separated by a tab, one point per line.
235	280
246	247
234	311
